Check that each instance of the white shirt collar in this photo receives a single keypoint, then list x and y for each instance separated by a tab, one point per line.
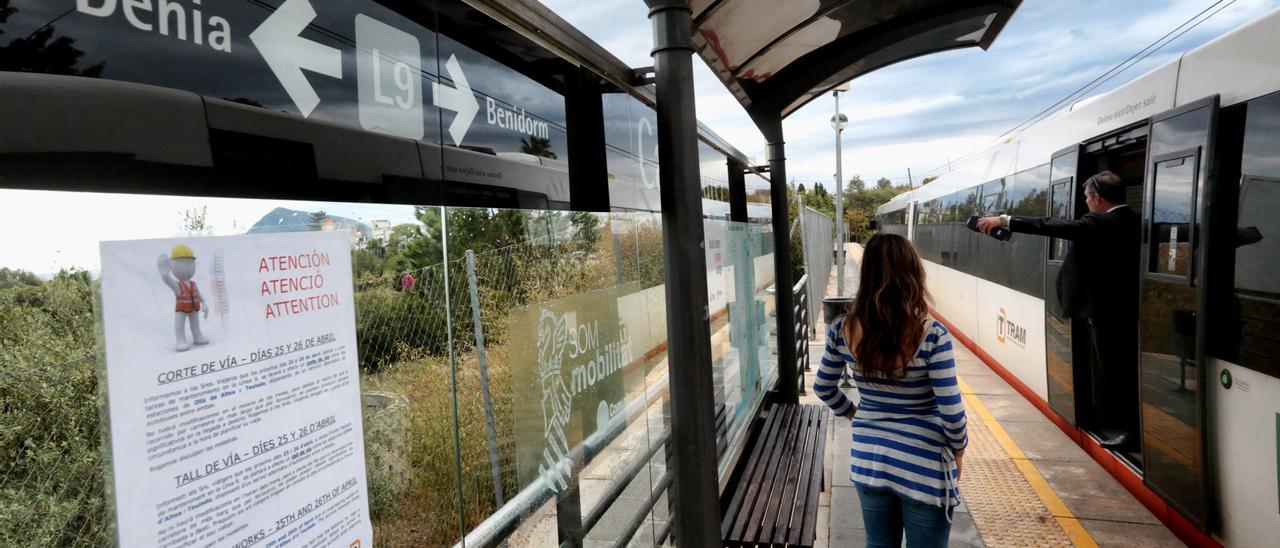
1113	208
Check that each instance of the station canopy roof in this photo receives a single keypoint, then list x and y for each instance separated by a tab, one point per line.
776	56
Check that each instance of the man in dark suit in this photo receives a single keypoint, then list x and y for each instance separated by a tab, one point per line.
1099	282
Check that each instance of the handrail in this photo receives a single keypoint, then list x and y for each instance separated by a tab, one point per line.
664	482
615	490
505	520
800	294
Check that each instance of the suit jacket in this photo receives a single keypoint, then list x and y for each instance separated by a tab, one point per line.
1099	276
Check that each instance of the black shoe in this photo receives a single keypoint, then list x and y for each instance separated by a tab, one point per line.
1118	441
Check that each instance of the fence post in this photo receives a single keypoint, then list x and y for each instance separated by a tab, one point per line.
498	498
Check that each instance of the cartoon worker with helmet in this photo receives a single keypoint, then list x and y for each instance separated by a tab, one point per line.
181	264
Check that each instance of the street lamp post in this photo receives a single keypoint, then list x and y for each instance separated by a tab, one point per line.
838	122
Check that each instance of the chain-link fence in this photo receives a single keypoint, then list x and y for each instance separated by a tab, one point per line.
817	235
53	470
407	328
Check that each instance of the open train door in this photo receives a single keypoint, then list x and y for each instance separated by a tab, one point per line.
1172	330
1063	379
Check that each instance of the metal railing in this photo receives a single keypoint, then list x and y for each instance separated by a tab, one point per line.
505	520
802	328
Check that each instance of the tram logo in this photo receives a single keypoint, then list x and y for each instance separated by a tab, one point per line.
1007	329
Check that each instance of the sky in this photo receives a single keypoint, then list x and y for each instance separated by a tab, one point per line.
919	112
56	218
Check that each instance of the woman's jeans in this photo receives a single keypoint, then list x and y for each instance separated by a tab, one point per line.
885	515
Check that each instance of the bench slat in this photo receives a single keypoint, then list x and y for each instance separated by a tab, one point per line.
779	519
762	526
769	480
775	502
808	529
757	482
770	429
795	503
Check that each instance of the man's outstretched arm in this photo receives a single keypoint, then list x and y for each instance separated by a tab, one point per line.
1067	229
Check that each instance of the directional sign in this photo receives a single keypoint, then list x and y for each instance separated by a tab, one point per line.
287	53
389	73
458	99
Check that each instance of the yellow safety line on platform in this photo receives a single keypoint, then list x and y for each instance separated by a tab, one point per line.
1075	531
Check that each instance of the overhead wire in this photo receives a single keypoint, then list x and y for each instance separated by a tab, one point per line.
1107	75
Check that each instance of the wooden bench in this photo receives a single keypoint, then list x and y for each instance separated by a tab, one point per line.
775	500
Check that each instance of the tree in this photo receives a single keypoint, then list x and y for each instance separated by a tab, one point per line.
15	277
586	229
856	184
928	180
317	217
40	52
537	146
195	221
884	183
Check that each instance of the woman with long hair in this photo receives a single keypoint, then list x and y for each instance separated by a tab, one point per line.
909	429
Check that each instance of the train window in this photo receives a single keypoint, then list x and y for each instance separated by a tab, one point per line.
1059	208
1255	342
1172	213
993	197
1028	195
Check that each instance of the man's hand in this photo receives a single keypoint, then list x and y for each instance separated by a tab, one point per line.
987	224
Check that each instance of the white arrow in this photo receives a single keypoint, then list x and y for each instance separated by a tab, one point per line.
458	99
287	53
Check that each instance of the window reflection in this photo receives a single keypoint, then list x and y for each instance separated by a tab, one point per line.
1171	216
1254	335
1060	208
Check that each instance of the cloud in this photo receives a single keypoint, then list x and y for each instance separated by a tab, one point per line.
916	113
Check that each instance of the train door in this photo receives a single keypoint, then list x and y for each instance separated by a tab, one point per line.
1172	302
1064	383
1113	387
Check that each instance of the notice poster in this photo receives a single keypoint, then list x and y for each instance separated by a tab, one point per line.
233	391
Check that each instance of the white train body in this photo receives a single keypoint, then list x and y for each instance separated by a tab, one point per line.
1009	326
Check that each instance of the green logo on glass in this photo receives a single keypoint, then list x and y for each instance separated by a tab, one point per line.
1225	379
574	379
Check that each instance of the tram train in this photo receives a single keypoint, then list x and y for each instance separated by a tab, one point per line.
1197	142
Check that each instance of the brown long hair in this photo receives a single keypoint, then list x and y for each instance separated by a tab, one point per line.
890	308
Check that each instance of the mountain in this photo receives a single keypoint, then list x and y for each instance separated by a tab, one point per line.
290	220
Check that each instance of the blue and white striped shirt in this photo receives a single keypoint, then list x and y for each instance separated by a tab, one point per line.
905	431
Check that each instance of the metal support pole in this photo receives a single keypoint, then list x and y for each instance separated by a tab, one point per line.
839	206
788	388
693	429
737	192
498	497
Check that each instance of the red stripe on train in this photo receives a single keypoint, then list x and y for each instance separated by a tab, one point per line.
1179	525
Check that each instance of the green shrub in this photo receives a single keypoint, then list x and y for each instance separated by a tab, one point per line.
52	489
